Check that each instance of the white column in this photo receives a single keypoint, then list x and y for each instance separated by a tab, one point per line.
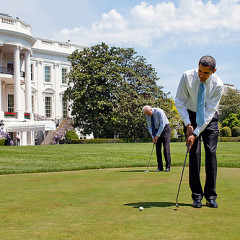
28	93
57	77
28	90
17	87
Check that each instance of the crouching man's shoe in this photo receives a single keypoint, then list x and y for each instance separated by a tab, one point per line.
212	204
197	204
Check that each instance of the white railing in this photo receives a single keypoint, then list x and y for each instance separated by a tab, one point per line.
8	23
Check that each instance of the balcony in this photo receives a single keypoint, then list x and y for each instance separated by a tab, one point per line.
16	25
4	70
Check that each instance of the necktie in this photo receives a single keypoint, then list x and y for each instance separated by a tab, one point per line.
200	116
153	127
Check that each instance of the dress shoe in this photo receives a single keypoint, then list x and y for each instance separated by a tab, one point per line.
159	170
197	204
167	170
212	204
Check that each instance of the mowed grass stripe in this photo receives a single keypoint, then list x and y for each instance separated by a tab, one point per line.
71	157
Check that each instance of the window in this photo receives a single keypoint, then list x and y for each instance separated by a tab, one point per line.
48	106
47	42
47	73
9	68
31	71
64	108
64	75
33	111
10	103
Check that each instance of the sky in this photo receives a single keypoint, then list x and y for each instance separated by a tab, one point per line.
172	35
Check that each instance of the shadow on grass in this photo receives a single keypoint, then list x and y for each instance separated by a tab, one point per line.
132	171
155	204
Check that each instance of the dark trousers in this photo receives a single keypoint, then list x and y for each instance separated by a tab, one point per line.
164	140
210	140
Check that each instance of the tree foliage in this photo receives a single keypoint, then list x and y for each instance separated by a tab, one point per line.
108	88
230	103
233	120
236	131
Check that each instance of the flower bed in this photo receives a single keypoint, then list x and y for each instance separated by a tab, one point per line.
10	114
27	115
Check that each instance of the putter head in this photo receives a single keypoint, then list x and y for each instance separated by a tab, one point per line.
177	205
146	171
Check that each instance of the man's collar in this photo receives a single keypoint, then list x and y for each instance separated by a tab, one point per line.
207	81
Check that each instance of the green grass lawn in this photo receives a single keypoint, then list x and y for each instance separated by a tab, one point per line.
91	156
102	204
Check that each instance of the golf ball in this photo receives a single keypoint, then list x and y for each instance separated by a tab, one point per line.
141	208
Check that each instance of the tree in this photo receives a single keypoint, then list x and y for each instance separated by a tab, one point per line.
233	120
230	103
108	88
236	131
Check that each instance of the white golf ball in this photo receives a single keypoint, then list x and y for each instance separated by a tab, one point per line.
141	208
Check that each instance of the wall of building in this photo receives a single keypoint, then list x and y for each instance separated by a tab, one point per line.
16	43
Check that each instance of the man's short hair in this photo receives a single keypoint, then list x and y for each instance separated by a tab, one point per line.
208	61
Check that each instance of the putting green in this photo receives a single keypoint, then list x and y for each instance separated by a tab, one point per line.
104	204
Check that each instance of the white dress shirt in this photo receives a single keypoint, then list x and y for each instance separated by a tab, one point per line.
186	97
160	120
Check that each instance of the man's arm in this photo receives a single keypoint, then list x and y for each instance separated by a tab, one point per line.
149	124
161	117
181	100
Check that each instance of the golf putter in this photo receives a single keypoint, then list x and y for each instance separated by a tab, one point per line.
182	176
149	158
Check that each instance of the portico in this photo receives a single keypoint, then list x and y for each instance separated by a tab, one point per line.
33	79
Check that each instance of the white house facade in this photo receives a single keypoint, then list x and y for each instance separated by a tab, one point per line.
32	80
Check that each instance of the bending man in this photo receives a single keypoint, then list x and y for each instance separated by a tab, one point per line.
159	128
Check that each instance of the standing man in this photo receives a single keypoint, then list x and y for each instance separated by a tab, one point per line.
159	128
197	99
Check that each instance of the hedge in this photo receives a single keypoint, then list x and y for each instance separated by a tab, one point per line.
236	131
229	139
71	135
119	140
226	132
105	140
2	142
140	140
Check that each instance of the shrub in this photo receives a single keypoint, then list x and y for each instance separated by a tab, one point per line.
229	139
71	135
2	142
175	140
89	141
226	132
115	140
236	131
134	140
